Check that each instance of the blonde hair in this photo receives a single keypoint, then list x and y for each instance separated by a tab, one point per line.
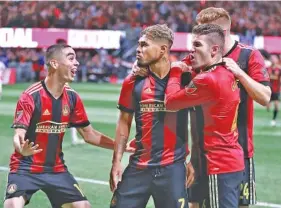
211	14
159	32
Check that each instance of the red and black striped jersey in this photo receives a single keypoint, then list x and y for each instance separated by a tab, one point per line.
46	120
161	135
250	61
216	91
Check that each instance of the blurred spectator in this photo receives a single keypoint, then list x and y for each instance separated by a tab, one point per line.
248	18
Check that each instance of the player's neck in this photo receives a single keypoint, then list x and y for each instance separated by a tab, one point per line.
161	68
54	86
215	61
229	42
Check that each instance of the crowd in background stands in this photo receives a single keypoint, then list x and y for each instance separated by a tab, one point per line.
95	65
258	18
249	19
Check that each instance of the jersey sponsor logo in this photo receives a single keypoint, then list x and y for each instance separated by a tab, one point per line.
46	113
12	188
191	88
51	127
152	105
65	110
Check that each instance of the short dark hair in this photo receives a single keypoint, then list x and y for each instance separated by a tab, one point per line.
159	32
214	32
53	49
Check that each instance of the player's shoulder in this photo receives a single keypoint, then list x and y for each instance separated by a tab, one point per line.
203	77
68	88
245	46
37	86
131	79
253	51
71	92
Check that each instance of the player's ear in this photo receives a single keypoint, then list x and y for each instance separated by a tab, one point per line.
53	63
164	49
215	49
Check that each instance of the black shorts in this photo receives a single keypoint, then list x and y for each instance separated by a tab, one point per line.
248	185
275	96
218	190
165	184
61	188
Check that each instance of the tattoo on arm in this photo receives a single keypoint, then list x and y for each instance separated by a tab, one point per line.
122	145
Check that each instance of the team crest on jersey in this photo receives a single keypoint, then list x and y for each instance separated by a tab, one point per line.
113	201
191	88
12	188
65	110
234	85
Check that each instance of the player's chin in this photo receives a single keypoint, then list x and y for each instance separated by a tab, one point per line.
70	79
141	63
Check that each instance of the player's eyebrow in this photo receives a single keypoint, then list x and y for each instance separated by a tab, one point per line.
196	42
142	42
70	54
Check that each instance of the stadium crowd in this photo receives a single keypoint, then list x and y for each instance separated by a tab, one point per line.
98	65
248	18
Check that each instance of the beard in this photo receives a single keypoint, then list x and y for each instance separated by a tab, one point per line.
145	64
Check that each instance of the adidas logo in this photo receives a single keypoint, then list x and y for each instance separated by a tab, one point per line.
148	90
46	113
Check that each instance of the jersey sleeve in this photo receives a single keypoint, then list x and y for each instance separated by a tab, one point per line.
199	91
24	111
126	101
175	81
257	68
79	116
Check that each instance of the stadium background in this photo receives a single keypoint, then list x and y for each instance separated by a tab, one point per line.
105	36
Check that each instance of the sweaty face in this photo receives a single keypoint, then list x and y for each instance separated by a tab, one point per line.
67	65
148	52
201	52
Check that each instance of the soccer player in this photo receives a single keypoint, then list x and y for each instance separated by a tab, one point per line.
247	64
215	89
44	111
157	168
275	82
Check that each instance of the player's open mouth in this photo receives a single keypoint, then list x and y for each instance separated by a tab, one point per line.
73	72
191	56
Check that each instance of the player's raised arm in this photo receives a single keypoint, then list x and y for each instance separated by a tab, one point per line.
256	83
196	93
